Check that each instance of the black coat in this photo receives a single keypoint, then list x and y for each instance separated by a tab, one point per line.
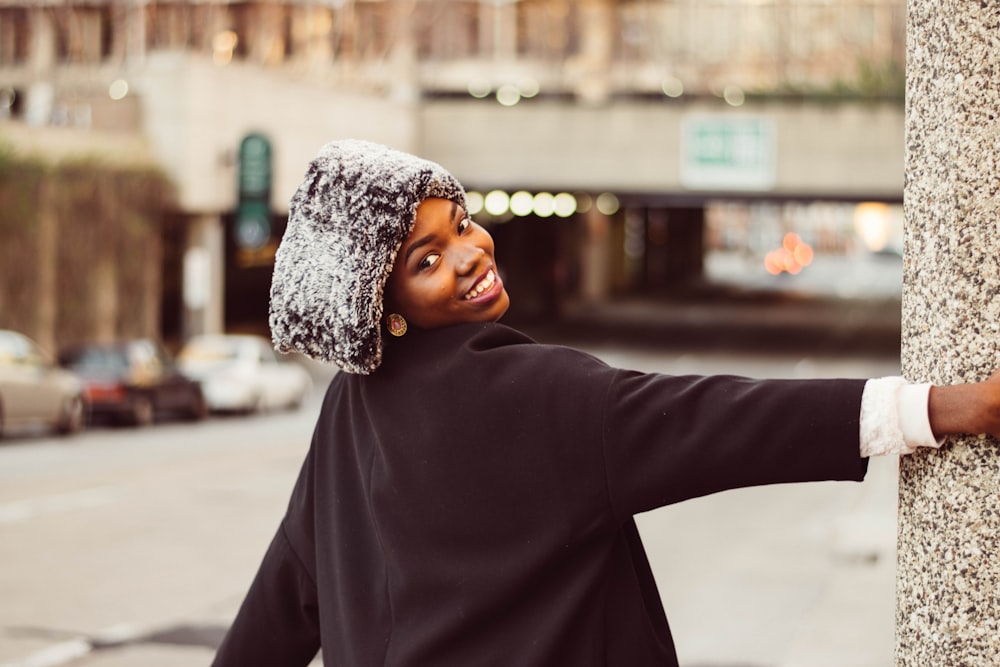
470	503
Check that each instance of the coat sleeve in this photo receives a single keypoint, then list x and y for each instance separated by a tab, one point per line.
668	438
278	621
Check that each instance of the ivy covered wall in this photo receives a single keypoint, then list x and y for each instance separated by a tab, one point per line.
80	248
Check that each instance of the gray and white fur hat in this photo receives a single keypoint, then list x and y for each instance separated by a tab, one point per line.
346	223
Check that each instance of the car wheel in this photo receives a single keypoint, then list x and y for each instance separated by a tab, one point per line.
142	411
73	416
199	407
255	406
297	401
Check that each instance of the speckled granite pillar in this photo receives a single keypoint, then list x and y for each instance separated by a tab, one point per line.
948	569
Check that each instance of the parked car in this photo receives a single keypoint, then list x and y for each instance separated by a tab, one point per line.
34	390
134	382
242	373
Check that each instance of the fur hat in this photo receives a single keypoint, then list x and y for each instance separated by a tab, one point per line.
346	223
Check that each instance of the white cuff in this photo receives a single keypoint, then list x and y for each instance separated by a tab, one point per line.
911	404
894	417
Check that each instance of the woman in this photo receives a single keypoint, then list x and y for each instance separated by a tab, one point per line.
469	493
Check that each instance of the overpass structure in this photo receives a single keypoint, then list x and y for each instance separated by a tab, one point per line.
685	152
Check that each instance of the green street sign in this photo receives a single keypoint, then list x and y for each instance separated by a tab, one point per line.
255	167
253	212
253	225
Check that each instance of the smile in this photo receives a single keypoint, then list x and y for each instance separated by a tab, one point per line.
482	286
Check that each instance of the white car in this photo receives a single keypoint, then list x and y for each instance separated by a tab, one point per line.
242	373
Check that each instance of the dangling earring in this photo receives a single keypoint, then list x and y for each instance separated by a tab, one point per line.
396	324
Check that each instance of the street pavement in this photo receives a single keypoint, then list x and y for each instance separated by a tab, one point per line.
786	576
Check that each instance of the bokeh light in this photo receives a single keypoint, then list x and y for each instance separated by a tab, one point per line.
521	203
528	87
793	256
118	89
607	203
474	202
497	202
565	204
871	222
544	204
734	96
508	95
672	86
479	88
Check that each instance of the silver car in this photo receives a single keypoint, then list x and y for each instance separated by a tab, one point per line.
35	391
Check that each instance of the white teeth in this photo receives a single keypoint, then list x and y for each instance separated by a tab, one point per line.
483	285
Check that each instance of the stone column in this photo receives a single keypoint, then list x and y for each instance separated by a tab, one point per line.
204	277
948	570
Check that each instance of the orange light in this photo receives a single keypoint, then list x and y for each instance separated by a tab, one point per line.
772	263
803	254
793	255
791	241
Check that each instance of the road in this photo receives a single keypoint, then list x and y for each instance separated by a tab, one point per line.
134	547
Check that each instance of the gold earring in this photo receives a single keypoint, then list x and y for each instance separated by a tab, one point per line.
396	324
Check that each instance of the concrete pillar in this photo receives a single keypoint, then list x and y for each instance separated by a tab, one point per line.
402	57
42	57
594	82
135	33
948	575
204	277
595	257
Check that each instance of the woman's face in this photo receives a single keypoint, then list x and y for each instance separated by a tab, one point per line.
445	272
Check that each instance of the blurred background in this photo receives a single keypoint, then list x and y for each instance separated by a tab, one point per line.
616	149
687	186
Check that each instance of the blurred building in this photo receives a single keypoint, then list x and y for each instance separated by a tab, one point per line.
635	115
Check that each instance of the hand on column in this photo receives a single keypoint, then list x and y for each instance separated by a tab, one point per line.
966	408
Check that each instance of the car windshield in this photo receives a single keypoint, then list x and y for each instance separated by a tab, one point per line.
104	359
10	350
211	349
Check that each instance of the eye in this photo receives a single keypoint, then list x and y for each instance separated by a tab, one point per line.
464	224
429	261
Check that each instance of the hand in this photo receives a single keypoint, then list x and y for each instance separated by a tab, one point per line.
966	408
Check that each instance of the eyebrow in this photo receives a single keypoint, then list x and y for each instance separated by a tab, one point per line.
424	240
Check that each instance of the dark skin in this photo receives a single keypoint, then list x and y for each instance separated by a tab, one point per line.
966	408
445	273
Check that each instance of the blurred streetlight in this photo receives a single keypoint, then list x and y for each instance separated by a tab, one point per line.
118	89
871	222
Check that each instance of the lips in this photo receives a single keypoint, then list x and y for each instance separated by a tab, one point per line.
485	287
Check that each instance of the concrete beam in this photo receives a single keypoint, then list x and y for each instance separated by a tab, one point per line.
627	146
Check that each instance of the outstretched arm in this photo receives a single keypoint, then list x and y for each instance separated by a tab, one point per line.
966	408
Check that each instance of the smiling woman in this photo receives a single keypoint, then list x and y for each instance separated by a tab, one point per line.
468	498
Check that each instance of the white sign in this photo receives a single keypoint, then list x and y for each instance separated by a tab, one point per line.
726	152
197	281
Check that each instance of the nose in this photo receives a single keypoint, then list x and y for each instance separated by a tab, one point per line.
466	257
